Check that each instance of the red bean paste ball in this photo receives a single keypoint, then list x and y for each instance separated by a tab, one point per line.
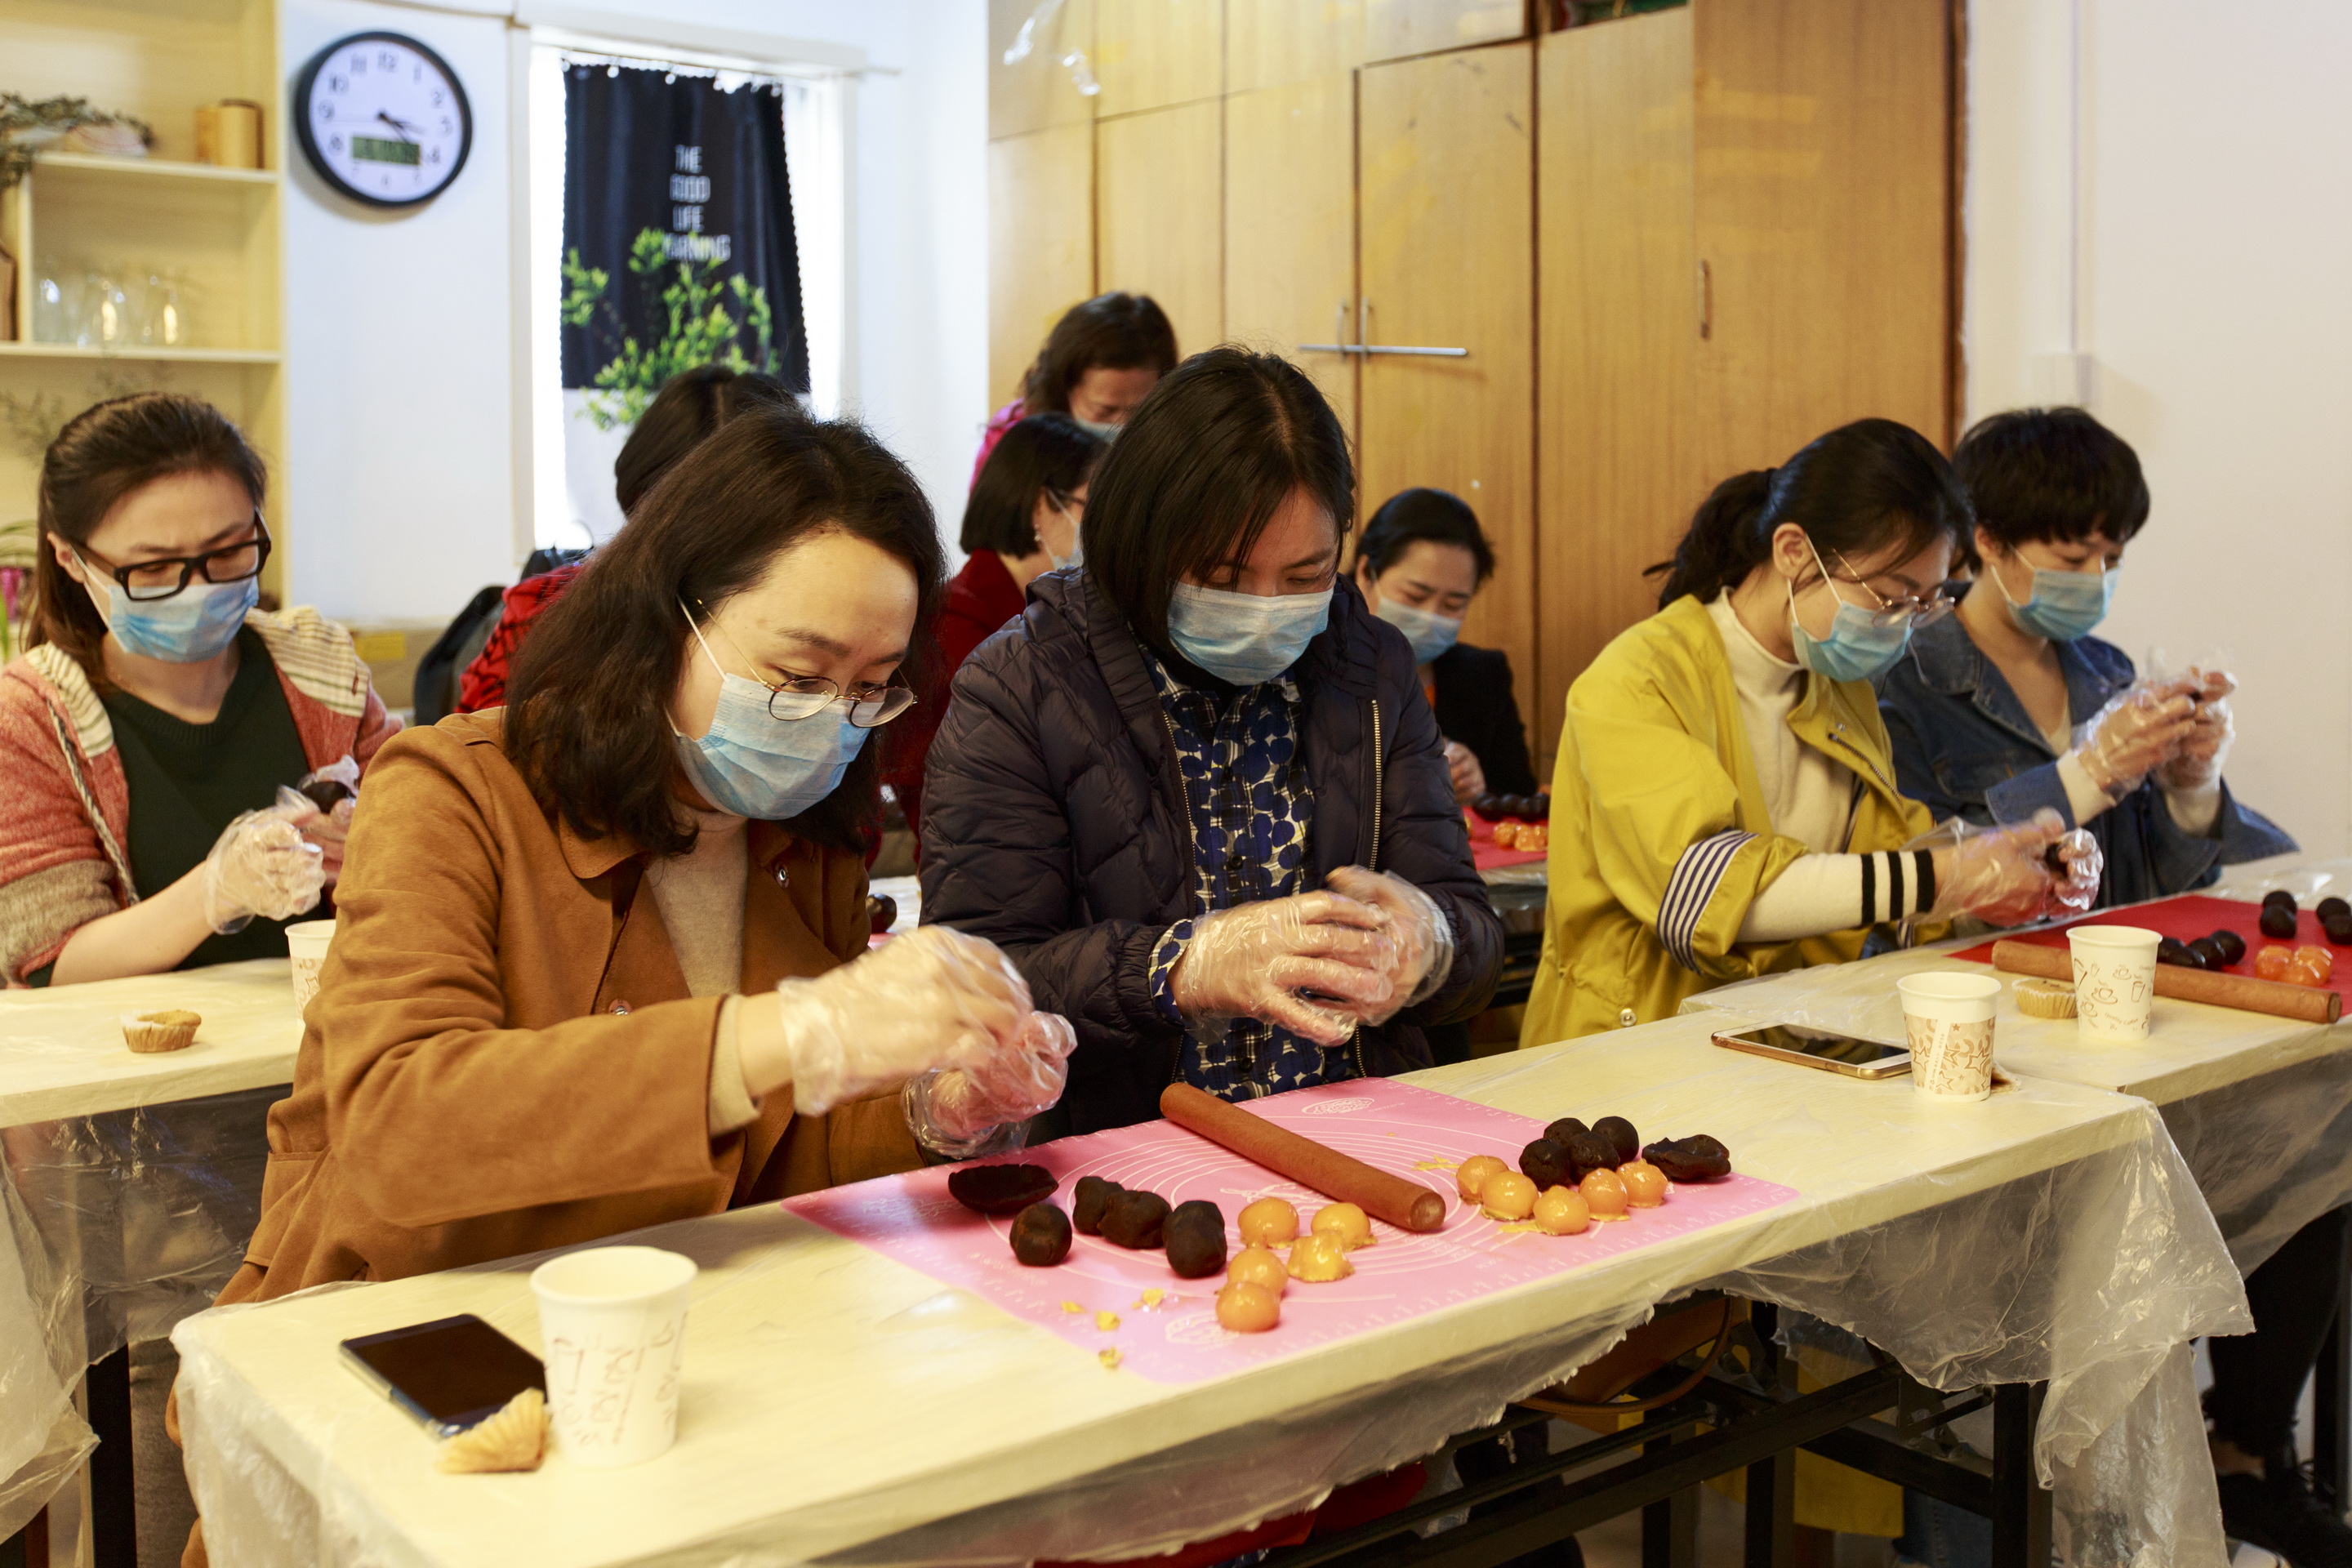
2208	953
1698	1158
2175	952
2339	929
2278	921
2332	908
1093	1195
1547	1165
1041	1236
1000	1189
1134	1220
1565	1129
1195	1238
1590	1152
1621	1135
2232	945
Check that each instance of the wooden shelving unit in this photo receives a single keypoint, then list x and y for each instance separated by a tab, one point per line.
217	233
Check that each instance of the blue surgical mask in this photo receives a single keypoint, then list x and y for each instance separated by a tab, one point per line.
1077	556
2063	606
1245	639
192	626
750	763
1430	632
1097	429
1857	647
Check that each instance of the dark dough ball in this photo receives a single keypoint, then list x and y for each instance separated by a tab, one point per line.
1564	1130
1698	1158
1195	1238
2340	931
1621	1135
1590	1152
2232	945
1542	804
1547	1165
2208	953
2332	906
327	793
1041	1236
2169	949
2280	897
1134	1220
1489	807
2278	921
1000	1189
1093	1195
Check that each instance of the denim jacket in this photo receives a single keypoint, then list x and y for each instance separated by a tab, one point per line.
1965	747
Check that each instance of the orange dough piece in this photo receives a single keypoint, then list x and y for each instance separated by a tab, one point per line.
1346	1224
1269	1222
1472	1176
1561	1210
1256	1266
1248	1308
1508	1196
1319	1260
2271	962
1506	835
1535	835
2300	971
1604	1193
1645	1184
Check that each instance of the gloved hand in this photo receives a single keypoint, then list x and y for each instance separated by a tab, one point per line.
2134	734
981	1107
1419	932
2196	766
260	865
1463	767
321	807
2009	876
1253	961
930	998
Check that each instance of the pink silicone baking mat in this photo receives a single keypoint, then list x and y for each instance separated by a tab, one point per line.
1397	1127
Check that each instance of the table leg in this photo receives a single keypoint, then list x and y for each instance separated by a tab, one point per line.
2021	1509
113	1512
1771	1522
1670	1526
2331	1411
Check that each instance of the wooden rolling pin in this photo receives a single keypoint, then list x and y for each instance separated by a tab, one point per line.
1406	1204
2247	993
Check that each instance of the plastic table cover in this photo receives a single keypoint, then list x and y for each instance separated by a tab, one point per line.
838	1406
2260	1107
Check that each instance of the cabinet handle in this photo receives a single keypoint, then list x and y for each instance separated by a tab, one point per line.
1705	300
1338	329
1365	309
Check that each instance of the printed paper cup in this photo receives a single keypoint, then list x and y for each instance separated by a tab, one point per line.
612	1327
1948	1017
307	945
2114	980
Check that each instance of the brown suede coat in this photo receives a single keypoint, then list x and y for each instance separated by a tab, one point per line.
503	1057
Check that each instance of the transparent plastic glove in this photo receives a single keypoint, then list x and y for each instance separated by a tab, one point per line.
2196	766
322	806
2135	734
1419	932
931	998
983	1108
1463	767
2009	876
260	865
1311	964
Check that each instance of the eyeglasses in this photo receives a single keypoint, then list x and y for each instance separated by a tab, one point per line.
1919	610
146	581
806	696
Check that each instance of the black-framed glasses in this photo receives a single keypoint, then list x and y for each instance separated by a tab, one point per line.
806	696
147	581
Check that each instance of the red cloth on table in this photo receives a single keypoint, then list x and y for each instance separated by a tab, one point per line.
484	683
980	599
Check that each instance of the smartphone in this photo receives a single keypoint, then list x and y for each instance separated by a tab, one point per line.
1819	1049
448	1374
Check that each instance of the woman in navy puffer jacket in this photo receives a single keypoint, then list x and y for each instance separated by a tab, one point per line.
1195	790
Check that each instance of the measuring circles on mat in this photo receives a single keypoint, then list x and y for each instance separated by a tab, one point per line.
383	119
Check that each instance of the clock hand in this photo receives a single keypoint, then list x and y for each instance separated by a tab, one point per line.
400	125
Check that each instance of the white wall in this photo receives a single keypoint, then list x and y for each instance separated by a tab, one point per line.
2198	255
401	330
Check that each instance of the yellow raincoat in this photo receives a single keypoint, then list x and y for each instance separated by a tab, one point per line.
1660	840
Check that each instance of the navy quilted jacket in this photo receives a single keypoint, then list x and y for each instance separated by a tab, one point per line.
1054	826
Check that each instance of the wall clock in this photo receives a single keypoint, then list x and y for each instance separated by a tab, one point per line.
383	119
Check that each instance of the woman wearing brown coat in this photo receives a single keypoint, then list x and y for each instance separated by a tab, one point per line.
593	965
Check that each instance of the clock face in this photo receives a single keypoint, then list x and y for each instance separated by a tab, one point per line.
383	118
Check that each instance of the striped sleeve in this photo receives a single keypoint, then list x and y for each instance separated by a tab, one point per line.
1696	875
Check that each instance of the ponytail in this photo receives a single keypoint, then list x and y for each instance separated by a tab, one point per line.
1859	490
1726	540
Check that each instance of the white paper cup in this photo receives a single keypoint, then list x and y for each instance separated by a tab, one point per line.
1948	1017
2114	980
307	945
612	1329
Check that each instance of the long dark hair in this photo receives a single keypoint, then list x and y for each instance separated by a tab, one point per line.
2049	476
689	406
104	453
1112	332
1854	491
1049	454
1203	464
1409	516
587	720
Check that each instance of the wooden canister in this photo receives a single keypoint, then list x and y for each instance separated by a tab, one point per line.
230	134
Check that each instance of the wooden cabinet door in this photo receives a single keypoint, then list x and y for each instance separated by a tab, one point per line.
1151	53
1617	327
1290	228
1446	171
1041	256
1037	90
1825	205
1397	29
1159	215
1272	43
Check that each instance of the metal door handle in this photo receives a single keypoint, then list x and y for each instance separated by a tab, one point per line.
1364	310
1338	329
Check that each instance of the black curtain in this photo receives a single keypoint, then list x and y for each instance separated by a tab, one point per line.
651	150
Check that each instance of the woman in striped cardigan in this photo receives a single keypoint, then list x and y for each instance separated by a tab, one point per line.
151	738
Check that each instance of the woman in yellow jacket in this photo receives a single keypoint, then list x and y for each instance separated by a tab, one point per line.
1724	802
